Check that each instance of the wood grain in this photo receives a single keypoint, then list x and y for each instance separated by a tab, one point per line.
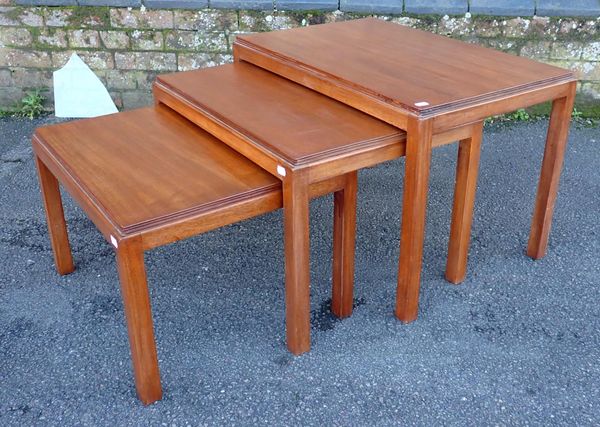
344	243
404	76
417	71
136	302
141	168
131	174
554	153
284	119
297	262
55	218
414	206
467	167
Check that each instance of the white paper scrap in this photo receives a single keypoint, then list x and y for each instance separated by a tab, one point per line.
78	92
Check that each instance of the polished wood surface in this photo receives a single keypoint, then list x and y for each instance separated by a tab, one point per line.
57	227
150	156
414	203
136	302
554	154
297	262
344	224
293	124
126	160
417	71
467	169
402	75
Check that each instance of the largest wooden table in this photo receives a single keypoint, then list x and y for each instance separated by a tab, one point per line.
428	85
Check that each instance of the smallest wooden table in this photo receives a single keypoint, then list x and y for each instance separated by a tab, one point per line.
149	177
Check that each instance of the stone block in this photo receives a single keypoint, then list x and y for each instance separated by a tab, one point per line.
591	51
115	39
7	16
591	90
119	79
159	61
509	46
587	70
136	99
582	70
33	17
371	6
487	28
116	97
5	78
58	17
10	36
144	79
146	40
542	27
454	26
281	22
536	50
568	8
192	61
52	37
258	21
89	17
517	27
566	50
193	40
439	7
24	58
206	20
406	21
96	60
28	78
138	19
10	96
84	38
502	7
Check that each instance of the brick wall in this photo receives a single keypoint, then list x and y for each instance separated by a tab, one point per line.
127	47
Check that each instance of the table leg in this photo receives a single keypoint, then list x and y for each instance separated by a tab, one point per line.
136	301
344	241
55	218
414	204
464	199
297	262
554	153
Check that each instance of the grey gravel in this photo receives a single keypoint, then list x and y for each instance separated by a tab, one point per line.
518	343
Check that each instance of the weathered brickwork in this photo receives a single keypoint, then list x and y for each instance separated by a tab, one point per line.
126	47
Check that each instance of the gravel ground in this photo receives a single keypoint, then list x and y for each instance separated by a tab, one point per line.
517	343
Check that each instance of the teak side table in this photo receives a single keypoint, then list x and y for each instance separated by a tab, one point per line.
284	128
149	177
428	85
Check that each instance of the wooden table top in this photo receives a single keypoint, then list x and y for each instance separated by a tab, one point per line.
151	166
423	73
283	118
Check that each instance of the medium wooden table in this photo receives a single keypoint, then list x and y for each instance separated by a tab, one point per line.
428	85
300	136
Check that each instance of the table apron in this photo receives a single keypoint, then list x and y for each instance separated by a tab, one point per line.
507	104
